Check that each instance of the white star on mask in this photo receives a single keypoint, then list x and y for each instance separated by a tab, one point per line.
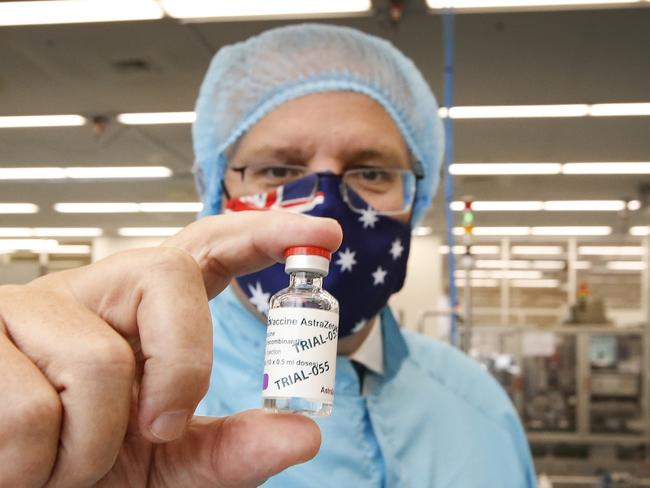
396	249
379	276
259	298
346	259
368	217
359	325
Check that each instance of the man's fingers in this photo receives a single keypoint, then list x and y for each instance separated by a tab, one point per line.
30	416
156	299
238	243
238	451
90	366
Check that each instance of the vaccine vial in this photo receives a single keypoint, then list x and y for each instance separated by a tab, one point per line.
302	337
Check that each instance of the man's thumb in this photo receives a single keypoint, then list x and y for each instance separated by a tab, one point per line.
238	451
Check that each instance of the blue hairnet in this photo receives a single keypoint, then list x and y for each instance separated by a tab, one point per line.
247	80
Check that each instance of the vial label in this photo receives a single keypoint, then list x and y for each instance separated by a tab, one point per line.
300	354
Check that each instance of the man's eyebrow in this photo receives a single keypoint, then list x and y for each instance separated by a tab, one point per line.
286	154
385	154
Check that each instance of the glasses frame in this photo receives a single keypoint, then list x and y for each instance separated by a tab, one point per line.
344	188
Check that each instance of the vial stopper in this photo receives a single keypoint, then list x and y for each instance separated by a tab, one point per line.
307	258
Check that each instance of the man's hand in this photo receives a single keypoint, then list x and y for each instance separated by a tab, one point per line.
102	367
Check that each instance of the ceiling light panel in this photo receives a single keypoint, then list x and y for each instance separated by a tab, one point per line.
148	231
626	265
496	206
584	205
84	172
77	11
610	250
156	118
33	245
537	250
619	109
21	121
505	169
610	168
505	4
228	9
572	231
129	207
518	111
18	208
50	232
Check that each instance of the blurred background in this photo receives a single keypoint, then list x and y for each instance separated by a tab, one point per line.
549	215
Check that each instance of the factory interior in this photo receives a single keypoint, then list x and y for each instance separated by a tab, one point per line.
534	258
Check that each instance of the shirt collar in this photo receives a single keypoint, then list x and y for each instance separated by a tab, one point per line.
371	351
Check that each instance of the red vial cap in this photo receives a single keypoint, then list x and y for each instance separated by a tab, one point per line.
307	251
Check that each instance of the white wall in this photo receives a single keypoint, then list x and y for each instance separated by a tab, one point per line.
423	287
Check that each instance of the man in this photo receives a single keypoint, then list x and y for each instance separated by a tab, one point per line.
348	121
103	366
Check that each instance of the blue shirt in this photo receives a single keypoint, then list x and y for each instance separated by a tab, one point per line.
435	418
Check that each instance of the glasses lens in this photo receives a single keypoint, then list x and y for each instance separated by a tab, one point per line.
386	190
266	178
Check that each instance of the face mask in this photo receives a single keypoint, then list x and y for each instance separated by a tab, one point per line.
367	269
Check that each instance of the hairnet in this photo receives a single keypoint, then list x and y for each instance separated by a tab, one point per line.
247	80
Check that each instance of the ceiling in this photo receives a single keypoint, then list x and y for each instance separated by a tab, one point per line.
501	59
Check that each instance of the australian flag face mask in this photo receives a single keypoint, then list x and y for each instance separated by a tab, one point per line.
367	269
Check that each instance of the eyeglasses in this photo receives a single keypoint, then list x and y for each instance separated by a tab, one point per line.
386	190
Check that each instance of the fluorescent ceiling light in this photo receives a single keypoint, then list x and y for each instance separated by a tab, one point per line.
128	207
490	4
613	168
117	172
200	9
586	230
32	173
537	250
18	208
495	231
71	249
148	231
422	231
538	231
584	205
633	205
544	283
496	206
640	230
505	169
50	232
500	264
519	264
96	207
155	118
480	169
610	250
619	109
478	283
77	11
500	274
553	205
626	265
475	250
33	245
85	172
518	111
38	120
153	207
